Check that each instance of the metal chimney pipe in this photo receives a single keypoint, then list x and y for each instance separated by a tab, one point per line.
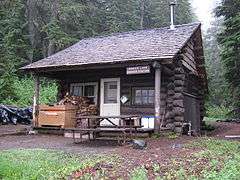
172	4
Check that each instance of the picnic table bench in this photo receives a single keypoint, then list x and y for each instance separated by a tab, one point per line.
94	127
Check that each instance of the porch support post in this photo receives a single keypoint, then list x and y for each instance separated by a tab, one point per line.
36	100
158	71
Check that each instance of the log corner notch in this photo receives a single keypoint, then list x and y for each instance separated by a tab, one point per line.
36	100
158	72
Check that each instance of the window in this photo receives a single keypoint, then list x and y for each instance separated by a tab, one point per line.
85	89
143	95
110	92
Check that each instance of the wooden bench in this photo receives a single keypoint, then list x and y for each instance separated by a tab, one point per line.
82	131
94	131
94	128
124	132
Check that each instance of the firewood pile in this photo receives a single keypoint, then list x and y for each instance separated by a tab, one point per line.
73	100
85	108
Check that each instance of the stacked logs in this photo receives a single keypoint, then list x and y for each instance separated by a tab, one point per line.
178	106
73	100
84	107
169	116
87	110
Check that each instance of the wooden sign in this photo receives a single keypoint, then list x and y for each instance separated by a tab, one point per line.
138	70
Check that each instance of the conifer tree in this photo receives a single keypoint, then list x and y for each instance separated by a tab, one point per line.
229	40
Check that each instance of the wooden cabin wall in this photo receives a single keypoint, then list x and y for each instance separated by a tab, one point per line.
189	78
188	57
194	86
145	80
186	83
181	82
127	82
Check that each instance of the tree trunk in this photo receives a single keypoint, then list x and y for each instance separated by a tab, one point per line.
55	17
31	15
142	9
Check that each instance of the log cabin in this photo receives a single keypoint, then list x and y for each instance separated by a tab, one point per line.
157	73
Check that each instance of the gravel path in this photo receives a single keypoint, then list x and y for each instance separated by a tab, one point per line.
98	146
56	142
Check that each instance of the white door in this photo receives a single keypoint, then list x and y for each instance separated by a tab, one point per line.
110	99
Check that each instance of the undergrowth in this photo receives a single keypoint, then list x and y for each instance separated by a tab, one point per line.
217	159
23	89
42	164
218	112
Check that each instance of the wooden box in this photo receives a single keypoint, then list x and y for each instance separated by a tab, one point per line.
59	116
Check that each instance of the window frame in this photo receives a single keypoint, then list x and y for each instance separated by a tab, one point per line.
72	85
133	94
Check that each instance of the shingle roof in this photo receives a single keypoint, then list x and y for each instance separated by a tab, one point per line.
161	43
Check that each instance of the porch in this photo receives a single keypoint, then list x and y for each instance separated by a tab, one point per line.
115	91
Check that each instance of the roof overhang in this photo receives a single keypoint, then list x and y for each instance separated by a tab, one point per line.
102	65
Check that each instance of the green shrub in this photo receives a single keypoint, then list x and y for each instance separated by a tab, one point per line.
207	127
219	112
24	91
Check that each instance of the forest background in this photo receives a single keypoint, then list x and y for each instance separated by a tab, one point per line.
34	29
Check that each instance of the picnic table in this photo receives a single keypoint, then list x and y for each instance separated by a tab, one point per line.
124	128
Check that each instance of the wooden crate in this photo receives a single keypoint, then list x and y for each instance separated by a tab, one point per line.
59	116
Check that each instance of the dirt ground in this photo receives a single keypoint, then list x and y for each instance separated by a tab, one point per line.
55	142
223	129
163	150
162	145
160	150
13	129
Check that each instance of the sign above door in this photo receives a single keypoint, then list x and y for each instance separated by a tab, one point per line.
138	70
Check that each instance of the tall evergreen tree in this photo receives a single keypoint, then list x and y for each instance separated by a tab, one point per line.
34	29
218	87
229	39
13	44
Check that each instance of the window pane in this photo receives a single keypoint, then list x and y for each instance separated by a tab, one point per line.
138	100
151	100
151	92
138	92
91	99
145	100
110	92
89	90
143	96
144	92
77	90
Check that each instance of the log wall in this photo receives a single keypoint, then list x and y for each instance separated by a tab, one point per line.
127	83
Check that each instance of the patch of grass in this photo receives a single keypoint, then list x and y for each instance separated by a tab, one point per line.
172	135
224	159
157	135
42	164
156	168
169	135
139	173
